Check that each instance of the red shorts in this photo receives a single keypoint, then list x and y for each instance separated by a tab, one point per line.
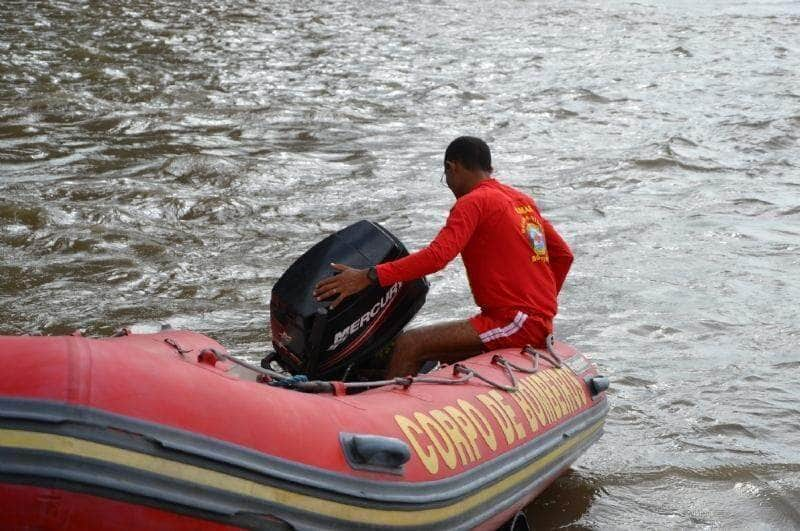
513	329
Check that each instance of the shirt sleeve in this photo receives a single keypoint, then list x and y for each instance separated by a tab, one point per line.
453	237
559	254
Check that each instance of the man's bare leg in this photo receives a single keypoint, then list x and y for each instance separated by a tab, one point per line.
446	342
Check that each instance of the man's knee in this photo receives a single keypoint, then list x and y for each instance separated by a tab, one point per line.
404	356
445	341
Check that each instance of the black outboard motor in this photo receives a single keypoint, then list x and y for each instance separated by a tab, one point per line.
325	344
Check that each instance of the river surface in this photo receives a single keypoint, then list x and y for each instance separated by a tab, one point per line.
165	161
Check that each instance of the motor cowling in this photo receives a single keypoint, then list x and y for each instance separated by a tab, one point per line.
309	338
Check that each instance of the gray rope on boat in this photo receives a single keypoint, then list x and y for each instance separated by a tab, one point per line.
461	374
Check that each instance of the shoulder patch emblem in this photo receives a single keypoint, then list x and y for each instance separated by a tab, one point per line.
536	237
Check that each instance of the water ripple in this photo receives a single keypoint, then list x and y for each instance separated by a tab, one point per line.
166	161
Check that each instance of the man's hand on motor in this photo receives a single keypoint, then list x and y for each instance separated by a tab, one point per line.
347	282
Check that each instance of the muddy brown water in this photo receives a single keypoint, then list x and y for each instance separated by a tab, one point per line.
166	161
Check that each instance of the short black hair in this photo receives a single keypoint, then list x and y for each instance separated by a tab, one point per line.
471	152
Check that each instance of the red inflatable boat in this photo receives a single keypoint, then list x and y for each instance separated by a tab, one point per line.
158	431
152	432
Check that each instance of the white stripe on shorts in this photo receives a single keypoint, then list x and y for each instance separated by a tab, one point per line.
504	331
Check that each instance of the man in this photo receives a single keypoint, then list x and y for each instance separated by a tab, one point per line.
516	264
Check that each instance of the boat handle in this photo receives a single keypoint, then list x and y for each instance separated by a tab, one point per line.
375	452
597	384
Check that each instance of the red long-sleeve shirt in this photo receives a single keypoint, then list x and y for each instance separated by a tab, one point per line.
515	259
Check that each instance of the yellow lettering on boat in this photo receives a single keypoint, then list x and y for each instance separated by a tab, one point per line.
557	392
456	435
481	422
576	386
524	404
558	411
527	390
557	380
538	390
469	429
442	443
499	415
453	434
411	430
510	413
552	394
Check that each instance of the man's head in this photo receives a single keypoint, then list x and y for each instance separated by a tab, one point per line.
467	161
